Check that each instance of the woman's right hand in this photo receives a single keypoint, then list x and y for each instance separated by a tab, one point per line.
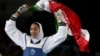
23	8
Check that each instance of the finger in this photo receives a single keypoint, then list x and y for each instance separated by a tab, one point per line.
58	18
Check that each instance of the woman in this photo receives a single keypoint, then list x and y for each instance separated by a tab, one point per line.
35	44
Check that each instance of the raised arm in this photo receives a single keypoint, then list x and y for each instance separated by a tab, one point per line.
56	39
15	35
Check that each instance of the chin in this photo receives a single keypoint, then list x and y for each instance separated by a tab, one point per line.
33	36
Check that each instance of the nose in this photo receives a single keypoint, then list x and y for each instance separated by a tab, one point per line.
32	31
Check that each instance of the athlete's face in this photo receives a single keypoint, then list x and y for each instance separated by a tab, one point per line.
34	30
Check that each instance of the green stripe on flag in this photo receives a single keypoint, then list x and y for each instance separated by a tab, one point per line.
56	24
35	8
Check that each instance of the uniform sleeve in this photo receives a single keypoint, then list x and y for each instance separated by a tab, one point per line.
15	35
56	39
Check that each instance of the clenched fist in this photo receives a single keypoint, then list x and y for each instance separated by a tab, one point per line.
23	8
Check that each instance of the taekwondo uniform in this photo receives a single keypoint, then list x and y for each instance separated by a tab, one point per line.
39	46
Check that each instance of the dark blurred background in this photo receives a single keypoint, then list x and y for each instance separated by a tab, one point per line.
88	12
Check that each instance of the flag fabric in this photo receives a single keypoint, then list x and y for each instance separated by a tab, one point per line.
74	24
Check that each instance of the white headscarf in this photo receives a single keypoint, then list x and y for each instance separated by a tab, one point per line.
40	35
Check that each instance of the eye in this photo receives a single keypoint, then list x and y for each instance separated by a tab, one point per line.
31	29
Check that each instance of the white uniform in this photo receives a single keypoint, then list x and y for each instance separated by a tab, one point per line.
19	37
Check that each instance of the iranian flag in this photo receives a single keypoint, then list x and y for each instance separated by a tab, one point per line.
81	36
